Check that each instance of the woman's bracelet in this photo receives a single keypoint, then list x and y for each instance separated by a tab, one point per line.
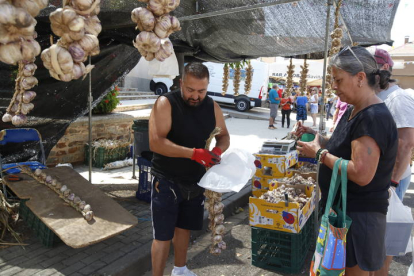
321	152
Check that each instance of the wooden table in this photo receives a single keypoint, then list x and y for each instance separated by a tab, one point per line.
110	218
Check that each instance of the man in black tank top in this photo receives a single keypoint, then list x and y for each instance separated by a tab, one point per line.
179	125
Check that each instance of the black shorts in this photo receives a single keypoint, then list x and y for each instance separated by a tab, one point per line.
365	241
169	210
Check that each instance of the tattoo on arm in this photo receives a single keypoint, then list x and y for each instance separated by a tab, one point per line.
323	141
369	151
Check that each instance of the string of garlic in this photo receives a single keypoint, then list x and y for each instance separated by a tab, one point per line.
226	74
215	208
62	190
155	26
249	78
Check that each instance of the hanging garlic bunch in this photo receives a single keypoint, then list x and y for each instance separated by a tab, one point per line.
289	79
155	24
62	190
215	207
86	7
15	23
25	50
226	76
67	24
93	25
303	77
249	78
59	62
237	78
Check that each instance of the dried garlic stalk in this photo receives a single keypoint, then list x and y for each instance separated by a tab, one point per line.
289	79
62	190
249	78
303	77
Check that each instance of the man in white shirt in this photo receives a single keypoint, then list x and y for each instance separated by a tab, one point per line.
400	103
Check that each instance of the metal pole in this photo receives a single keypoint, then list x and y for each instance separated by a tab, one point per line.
321	123
90	123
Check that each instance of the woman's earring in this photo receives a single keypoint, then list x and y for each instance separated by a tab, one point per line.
359	85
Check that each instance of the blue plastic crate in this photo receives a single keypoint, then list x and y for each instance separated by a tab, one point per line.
145	180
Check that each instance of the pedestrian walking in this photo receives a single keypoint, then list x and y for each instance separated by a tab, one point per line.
301	112
329	103
285	104
179	125
274	105
340	109
314	104
400	102
371	146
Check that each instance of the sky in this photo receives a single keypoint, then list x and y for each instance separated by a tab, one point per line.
403	23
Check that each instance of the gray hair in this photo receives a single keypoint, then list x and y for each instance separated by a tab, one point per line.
358	59
197	70
275	86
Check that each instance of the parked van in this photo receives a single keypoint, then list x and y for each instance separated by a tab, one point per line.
242	102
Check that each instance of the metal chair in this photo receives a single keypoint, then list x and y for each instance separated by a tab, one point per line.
13	141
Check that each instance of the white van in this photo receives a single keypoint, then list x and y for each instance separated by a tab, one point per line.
242	102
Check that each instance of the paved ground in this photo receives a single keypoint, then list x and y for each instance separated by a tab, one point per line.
129	252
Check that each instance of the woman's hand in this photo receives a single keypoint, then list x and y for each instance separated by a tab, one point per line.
303	129
309	149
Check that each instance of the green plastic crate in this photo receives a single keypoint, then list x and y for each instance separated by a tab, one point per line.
281	251
46	236
102	156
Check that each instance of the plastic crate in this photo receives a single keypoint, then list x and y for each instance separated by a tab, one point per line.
46	236
145	180
102	156
281	251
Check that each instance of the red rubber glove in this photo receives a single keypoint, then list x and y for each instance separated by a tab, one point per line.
205	157
217	151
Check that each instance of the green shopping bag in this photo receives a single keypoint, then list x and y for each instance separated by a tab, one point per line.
330	253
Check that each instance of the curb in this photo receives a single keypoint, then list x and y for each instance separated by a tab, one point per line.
140	259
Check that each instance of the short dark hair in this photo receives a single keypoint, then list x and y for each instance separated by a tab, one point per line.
197	70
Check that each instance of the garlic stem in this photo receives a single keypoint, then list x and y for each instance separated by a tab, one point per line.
54	60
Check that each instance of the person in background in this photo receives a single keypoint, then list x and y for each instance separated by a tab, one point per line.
341	107
400	102
314	104
274	99
371	146
301	113
285	104
328	105
179	125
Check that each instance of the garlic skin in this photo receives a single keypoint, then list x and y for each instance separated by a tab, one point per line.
166	25
26	108
29	69
37	172
33	7
88	215
67	24
165	51
28	96
10	53
59	62
19	119
77	53
222	245
88	43
86	7
15	23
28	82
7	117
93	25
144	19
160	7
220	229
149	42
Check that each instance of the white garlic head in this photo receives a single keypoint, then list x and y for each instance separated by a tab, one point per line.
144	19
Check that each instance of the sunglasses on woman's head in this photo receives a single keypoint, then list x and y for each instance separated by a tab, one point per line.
352	52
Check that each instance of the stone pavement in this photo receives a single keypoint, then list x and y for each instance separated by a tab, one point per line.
125	254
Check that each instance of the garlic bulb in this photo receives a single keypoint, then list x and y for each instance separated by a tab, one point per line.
87	208
160	7
88	215
86	7
165	51
19	119
31	6
67	24
218	238
15	23
166	25
28	82
10	53
30	49
222	245
71	197
29	69
147	55
37	172
81	205
220	229
218	208
76	200
219	219
63	189
7	118
27	107
28	96
144	19
88	43
77	53
48	179
93	25
59	62
148	42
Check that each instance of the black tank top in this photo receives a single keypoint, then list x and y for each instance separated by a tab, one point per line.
191	127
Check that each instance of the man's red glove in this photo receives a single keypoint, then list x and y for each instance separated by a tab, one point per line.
217	151
205	157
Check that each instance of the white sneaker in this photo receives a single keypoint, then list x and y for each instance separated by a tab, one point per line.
186	272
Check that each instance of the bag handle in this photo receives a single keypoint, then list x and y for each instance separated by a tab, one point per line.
344	187
333	187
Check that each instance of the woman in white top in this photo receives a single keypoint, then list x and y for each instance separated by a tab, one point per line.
314	105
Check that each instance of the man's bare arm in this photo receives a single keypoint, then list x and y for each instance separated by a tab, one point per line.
405	146
222	139
159	126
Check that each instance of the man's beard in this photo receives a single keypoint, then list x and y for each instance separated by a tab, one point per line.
192	103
